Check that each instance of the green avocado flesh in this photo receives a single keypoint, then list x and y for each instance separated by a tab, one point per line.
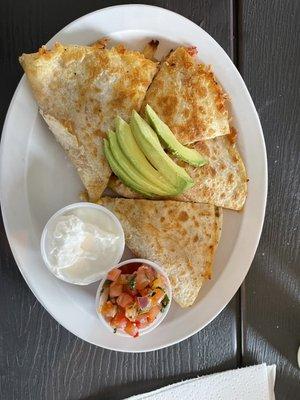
134	154
131	172
190	156
148	141
121	173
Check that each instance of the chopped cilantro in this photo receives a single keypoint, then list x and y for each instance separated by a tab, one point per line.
105	284
132	283
165	301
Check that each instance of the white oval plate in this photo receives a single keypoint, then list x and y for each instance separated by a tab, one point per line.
34	172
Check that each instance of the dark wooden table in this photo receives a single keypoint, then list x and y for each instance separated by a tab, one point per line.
41	360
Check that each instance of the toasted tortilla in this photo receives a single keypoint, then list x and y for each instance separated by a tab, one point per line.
80	90
222	181
187	97
150	49
181	237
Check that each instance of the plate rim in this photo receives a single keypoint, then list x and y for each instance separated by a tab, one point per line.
254	113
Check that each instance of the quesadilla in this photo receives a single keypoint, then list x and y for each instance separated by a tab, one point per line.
187	97
222	181
154	229
80	90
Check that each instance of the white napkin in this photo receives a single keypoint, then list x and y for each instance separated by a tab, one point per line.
250	383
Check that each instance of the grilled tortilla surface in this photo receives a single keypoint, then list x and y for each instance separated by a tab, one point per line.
154	229
222	181
80	90
186	96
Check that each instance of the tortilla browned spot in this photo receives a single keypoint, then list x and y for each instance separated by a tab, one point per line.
80	90
152	232
186	96
227	187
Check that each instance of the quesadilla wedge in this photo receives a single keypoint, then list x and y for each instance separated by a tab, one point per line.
187	97
153	229
80	90
222	181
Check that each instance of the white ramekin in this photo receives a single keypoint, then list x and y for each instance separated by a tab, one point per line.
100	298
48	229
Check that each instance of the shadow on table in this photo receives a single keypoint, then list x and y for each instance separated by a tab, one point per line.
119	392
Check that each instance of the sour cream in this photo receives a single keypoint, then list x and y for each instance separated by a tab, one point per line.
81	242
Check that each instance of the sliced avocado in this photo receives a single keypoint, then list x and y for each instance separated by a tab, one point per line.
120	173
190	156
130	170
134	154
148	141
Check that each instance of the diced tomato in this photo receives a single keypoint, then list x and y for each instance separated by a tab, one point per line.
131	312
145	292
115	289
153	313
133	289
130	268
150	272
108	310
142	321
114	274
124	300
142	278
158	296
123	279
119	321
131	329
133	293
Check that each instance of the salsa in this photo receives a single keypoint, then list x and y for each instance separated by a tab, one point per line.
135	295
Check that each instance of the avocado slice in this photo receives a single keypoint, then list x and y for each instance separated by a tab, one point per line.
134	154
120	173
133	173
148	141
190	156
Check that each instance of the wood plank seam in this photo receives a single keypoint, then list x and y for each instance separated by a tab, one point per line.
234	54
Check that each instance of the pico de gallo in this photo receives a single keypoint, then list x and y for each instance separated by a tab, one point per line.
134	296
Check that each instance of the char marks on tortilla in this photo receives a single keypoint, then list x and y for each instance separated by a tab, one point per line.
154	229
80	90
222	181
187	97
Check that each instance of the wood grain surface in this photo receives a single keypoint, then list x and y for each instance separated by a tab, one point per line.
41	360
269	55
